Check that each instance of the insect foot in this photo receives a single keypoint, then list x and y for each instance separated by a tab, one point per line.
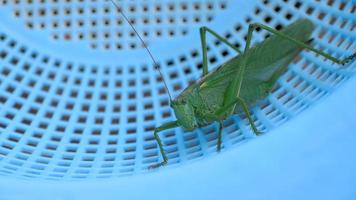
348	59
259	133
255	130
155	166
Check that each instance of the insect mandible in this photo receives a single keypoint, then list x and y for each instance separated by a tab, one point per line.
241	82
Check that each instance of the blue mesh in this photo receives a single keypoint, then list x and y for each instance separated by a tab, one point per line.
79	98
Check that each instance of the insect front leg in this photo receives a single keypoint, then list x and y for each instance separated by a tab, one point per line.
253	27
203	30
163	127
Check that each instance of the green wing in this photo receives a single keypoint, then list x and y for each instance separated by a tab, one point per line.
262	57
254	90
266	62
269	60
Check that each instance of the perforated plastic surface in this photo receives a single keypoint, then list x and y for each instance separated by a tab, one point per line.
79	98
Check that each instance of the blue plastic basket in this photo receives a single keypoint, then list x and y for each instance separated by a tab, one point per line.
79	98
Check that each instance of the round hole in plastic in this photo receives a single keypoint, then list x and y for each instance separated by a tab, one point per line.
79	98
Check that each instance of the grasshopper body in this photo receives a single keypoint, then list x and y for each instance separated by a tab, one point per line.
263	67
239	83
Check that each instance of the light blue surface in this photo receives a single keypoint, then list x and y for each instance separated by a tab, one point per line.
310	157
76	120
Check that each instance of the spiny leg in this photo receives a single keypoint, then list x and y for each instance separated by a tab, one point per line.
203	31
239	100
221	126
163	127
253	27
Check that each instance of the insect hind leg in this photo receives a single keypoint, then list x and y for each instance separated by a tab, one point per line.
203	30
253	27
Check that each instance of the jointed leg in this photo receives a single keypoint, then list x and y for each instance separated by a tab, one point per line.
221	126
203	31
252	27
245	109
163	127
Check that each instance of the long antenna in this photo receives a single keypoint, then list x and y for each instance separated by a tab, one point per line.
156	66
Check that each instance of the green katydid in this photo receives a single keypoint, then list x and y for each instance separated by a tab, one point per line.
239	83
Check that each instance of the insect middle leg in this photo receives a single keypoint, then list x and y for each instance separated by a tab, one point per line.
253	27
203	31
221	126
239	100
